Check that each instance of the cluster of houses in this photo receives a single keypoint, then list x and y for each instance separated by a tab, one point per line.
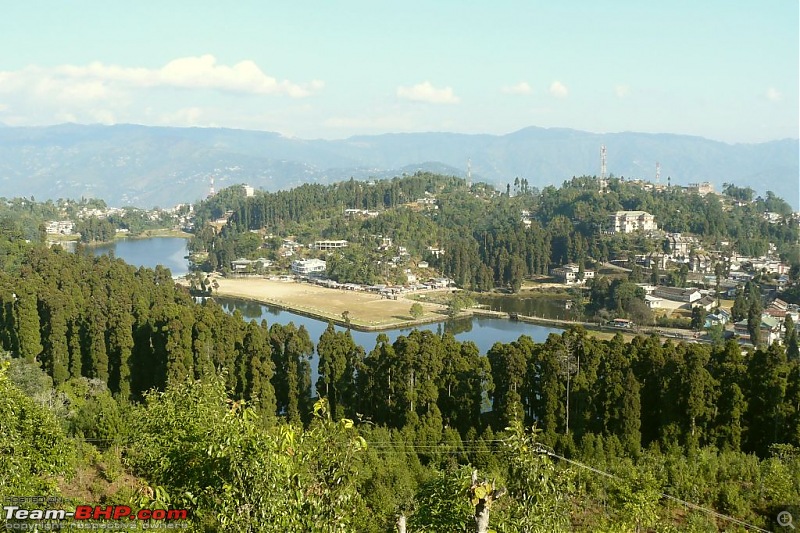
388	291
655	297
289	247
740	271
701	188
59	227
427	202
181	213
313	269
570	274
772	322
772	318
686	250
242	265
619	222
67	227
360	213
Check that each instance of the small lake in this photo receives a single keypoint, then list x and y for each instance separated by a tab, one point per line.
170	252
543	306
484	332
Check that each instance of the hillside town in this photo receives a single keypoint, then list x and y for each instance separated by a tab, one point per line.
684	279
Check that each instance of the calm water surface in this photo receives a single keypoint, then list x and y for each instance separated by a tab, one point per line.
484	332
170	252
541	306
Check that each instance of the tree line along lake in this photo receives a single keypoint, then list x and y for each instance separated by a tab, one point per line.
171	252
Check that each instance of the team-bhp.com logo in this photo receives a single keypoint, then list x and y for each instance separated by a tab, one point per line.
86	517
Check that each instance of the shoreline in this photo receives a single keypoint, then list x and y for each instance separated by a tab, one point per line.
146	234
338	321
369	312
366	312
591	328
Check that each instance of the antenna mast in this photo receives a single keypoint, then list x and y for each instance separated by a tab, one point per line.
603	162
211	191
469	173
658	172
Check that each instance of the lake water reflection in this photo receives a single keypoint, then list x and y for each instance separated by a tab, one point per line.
538	305
484	332
170	252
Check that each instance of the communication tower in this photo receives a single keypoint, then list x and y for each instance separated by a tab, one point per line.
658	172
603	162
469	173
603	180
211	191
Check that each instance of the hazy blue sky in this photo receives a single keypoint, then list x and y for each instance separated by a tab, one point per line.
726	70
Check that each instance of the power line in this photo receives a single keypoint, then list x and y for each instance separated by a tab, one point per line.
472	446
689	504
387	447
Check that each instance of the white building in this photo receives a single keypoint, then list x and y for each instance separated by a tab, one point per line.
305	267
630	221
352	213
569	274
63	227
248	190
771	266
702	189
678	244
677	294
330	245
653	302
244	265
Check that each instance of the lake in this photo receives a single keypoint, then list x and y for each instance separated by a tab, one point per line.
484	332
171	252
543	306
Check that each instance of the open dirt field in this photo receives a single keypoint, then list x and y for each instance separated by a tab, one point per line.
366	310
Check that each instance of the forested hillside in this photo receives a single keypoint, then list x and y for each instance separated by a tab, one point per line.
218	415
492	238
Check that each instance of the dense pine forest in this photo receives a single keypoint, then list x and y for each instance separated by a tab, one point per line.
117	387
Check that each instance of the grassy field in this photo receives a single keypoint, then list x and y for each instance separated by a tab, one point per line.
365	310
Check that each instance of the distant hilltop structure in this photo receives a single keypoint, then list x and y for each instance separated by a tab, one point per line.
632	221
702	189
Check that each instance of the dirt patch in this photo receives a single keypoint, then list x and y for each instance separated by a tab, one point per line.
364	309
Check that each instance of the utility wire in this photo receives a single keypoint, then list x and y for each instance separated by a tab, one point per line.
386	447
551	453
473	446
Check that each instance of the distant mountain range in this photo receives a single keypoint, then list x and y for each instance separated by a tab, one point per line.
148	166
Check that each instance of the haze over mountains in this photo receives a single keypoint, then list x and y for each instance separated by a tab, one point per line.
149	166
